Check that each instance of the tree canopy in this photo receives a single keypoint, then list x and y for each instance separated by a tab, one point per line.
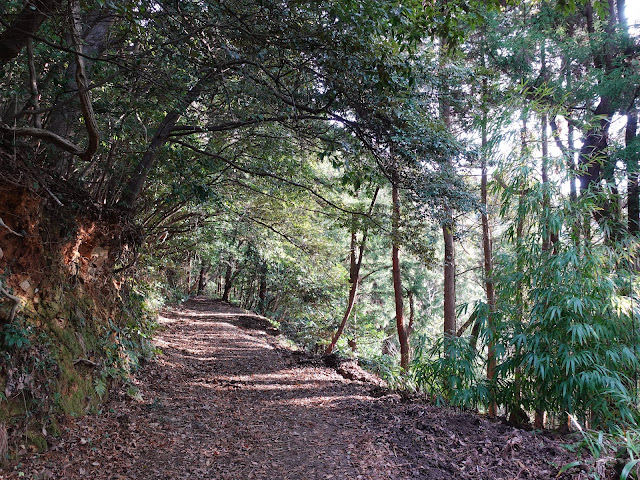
321	162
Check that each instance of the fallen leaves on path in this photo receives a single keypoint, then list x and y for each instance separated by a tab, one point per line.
226	401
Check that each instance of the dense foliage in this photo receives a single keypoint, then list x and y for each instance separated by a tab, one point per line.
275	154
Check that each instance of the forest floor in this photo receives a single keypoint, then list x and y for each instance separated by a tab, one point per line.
227	400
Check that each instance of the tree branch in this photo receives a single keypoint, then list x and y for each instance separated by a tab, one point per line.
44	135
266	174
27	23
183	130
555	132
83	92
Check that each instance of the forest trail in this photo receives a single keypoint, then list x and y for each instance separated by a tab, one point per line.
225	401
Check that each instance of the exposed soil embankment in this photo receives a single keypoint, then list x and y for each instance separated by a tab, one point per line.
227	401
62	326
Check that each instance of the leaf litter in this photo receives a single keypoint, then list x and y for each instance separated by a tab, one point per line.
227	400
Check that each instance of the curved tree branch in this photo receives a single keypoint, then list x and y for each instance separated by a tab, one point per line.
44	135
83	91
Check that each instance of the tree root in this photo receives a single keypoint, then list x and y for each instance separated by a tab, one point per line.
16	303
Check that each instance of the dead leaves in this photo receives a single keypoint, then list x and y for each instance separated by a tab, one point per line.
226	402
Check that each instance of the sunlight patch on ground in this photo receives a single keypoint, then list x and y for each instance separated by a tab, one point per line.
209	314
263	377
263	387
320	400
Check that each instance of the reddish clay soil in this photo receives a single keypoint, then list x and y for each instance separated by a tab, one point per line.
226	400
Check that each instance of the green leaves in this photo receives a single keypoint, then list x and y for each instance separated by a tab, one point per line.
15	336
628	468
450	370
560	314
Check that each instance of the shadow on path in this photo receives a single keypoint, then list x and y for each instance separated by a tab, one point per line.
225	401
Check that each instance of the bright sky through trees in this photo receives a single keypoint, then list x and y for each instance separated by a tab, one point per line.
633	12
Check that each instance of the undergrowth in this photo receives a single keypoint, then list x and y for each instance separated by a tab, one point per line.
599	452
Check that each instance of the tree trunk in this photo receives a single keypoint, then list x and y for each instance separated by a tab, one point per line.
447	235
633	189
550	237
593	154
33	86
136	183
228	282
354	272
570	156
412	312
449	279
520	300
189	275
487	249
84	94
24	26
538	421
262	289
547	234
546	202
395	273
202	278
77	79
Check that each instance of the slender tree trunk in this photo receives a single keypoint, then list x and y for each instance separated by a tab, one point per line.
77	79
136	183
594	159
82	81
547	236
573	191
262	289
353	291
539	416
633	176
189	275
228	282
449	279
33	86
546	204
395	271
241	295
354	273
571	164
487	249
202	278
274	303
520	300
412	312
447	234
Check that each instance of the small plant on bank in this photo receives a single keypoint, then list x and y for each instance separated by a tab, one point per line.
16	335
449	370
616	450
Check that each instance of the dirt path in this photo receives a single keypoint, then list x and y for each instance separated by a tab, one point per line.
228	402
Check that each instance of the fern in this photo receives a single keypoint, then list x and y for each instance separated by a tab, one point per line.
100	386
